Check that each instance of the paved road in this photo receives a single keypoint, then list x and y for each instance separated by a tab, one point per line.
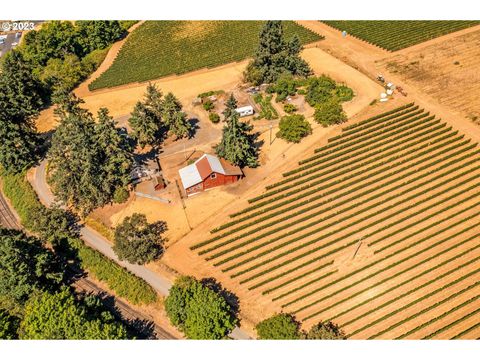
7	218
98	242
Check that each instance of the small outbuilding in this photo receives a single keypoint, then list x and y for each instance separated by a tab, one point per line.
208	172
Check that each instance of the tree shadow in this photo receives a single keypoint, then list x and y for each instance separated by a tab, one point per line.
194	126
229	297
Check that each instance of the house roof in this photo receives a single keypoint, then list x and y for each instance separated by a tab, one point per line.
203	167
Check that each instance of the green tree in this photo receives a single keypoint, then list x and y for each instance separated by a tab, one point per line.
153	100
174	118
137	241
274	56
63	73
116	153
98	34
329	113
237	144
26	266
197	310
8	326
59	316
325	331
145	125
279	327
89	160
293	128
20	100
55	39
230	106
55	225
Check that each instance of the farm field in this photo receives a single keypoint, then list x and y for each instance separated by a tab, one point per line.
396	35
377	231
161	48
447	71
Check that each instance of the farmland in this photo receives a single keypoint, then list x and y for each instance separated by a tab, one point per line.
446	70
396	35
378	231
161	48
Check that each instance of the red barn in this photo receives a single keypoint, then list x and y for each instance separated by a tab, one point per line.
207	172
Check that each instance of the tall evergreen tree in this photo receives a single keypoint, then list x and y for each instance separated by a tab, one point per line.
274	56
237	144
145	125
231	105
88	160
20	101
174	118
153	100
117	153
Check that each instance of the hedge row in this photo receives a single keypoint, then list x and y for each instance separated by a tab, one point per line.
350	200
452	324
424	310
120	280
311	242
414	138
363	149
410	246
461	221
379	171
466	331
451	206
395	121
409	280
318	268
384	127
384	279
342	166
400	108
356	167
369	265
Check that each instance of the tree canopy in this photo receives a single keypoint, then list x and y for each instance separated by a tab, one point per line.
8	326
293	128
26	266
275	56
329	112
279	327
155	116
238	143
20	101
88	160
199	311
137	241
56	316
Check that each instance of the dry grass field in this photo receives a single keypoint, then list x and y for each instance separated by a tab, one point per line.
378	231
446	70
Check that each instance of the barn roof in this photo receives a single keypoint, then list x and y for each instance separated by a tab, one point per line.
203	167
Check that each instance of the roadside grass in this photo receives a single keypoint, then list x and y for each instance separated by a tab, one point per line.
125	284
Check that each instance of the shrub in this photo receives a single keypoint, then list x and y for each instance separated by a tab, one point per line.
214	118
325	331
198	310
293	128
329	113
208	105
120	195
289	108
279	327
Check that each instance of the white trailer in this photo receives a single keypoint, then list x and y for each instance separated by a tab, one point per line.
245	110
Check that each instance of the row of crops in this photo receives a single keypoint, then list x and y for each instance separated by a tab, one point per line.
396	35
161	48
406	185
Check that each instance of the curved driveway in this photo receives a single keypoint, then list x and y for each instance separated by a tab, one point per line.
100	243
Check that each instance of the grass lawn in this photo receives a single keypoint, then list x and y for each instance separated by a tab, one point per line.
396	35
161	48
